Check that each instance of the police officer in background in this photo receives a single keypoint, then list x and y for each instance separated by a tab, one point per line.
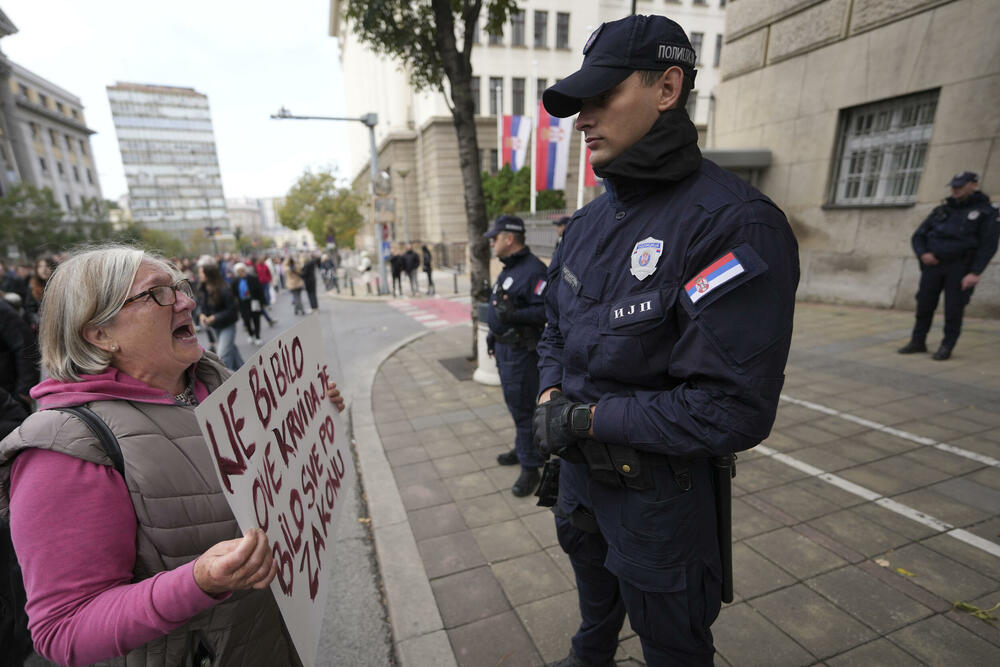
954	245
516	319
669	311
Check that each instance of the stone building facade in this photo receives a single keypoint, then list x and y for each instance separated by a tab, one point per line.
868	108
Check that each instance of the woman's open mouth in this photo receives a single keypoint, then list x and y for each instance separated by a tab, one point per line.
185	333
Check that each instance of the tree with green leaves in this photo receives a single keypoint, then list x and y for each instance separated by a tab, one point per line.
509	192
433	40
316	203
32	221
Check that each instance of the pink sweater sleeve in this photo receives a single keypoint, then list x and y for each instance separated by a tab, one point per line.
74	529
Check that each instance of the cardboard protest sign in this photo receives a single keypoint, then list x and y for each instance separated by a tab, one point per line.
285	466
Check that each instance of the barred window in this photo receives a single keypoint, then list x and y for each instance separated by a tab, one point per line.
562	30
541	29
517	27
517	96
882	150
496	82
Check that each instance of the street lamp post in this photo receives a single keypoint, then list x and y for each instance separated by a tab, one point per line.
406	224
370	120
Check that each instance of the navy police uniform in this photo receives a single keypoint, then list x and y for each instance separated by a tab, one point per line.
670	310
513	338
963	237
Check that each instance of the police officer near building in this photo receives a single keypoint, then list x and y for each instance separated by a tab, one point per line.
669	313
516	319
954	245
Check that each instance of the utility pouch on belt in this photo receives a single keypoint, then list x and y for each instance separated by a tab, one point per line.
548	488
581	518
617	465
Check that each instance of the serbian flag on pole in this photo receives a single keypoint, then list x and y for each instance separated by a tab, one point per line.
516	130
553	150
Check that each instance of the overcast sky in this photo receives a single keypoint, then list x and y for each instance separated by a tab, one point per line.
249	56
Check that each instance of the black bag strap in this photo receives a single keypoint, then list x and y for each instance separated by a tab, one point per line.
109	443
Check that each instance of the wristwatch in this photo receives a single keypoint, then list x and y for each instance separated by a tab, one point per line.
580	418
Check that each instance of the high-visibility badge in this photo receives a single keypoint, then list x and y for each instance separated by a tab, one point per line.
714	275
645	256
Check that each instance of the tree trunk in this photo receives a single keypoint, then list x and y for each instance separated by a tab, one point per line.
458	68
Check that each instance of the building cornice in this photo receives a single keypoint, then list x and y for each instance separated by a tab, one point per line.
55	116
7	26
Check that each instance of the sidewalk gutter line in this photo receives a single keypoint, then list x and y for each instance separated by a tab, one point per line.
417	628
883	501
905	435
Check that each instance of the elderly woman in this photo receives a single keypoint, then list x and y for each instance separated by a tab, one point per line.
150	566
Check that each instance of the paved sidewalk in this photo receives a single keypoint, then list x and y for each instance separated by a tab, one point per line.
871	509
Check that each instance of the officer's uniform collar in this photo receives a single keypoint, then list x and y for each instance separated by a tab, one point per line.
514	258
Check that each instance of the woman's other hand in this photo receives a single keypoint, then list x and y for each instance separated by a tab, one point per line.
334	395
236	564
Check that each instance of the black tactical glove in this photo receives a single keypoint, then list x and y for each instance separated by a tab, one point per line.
559	424
504	308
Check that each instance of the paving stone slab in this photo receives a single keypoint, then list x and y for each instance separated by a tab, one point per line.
858	533
761	473
969	492
947	462
897	523
940	575
892	476
811	620
424	494
500	541
940	641
754	575
881	652
543	528
795	553
469	427
415	473
749	521
531	577
552	622
430	649
745	637
560	558
485	510
469	485
387	428
440	449
450	553
399	441
436	521
469	596
402	457
932	502
797	501
487	457
459	464
498	640
870	600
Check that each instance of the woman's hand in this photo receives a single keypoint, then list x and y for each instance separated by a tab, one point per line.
334	395
236	564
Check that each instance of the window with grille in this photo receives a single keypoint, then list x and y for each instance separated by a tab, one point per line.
517	96
541	29
474	92
882	150
495	82
517	28
562	30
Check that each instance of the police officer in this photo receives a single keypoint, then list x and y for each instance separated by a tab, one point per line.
560	228
954	245
516	319
669	312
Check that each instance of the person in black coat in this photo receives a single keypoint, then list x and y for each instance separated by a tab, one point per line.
220	311
250	293
397	264
18	354
411	263
309	280
425	251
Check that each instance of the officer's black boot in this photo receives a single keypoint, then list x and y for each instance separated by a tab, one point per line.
508	458
913	346
526	483
573	660
943	352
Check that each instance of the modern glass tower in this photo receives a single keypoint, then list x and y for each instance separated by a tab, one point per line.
168	151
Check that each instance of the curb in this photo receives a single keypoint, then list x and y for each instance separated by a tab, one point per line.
417	628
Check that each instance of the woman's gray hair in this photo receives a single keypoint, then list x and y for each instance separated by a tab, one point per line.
87	289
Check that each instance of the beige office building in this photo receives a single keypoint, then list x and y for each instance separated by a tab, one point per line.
868	108
415	134
44	138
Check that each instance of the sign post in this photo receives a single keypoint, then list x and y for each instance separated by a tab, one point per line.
285	466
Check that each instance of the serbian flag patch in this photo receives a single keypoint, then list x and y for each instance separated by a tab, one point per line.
540	287
715	274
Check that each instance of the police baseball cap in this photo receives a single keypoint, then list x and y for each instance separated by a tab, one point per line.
561	221
613	52
506	223
960	179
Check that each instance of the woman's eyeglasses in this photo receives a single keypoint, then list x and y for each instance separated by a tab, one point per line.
164	295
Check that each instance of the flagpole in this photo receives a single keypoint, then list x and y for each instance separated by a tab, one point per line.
534	138
499	95
580	177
